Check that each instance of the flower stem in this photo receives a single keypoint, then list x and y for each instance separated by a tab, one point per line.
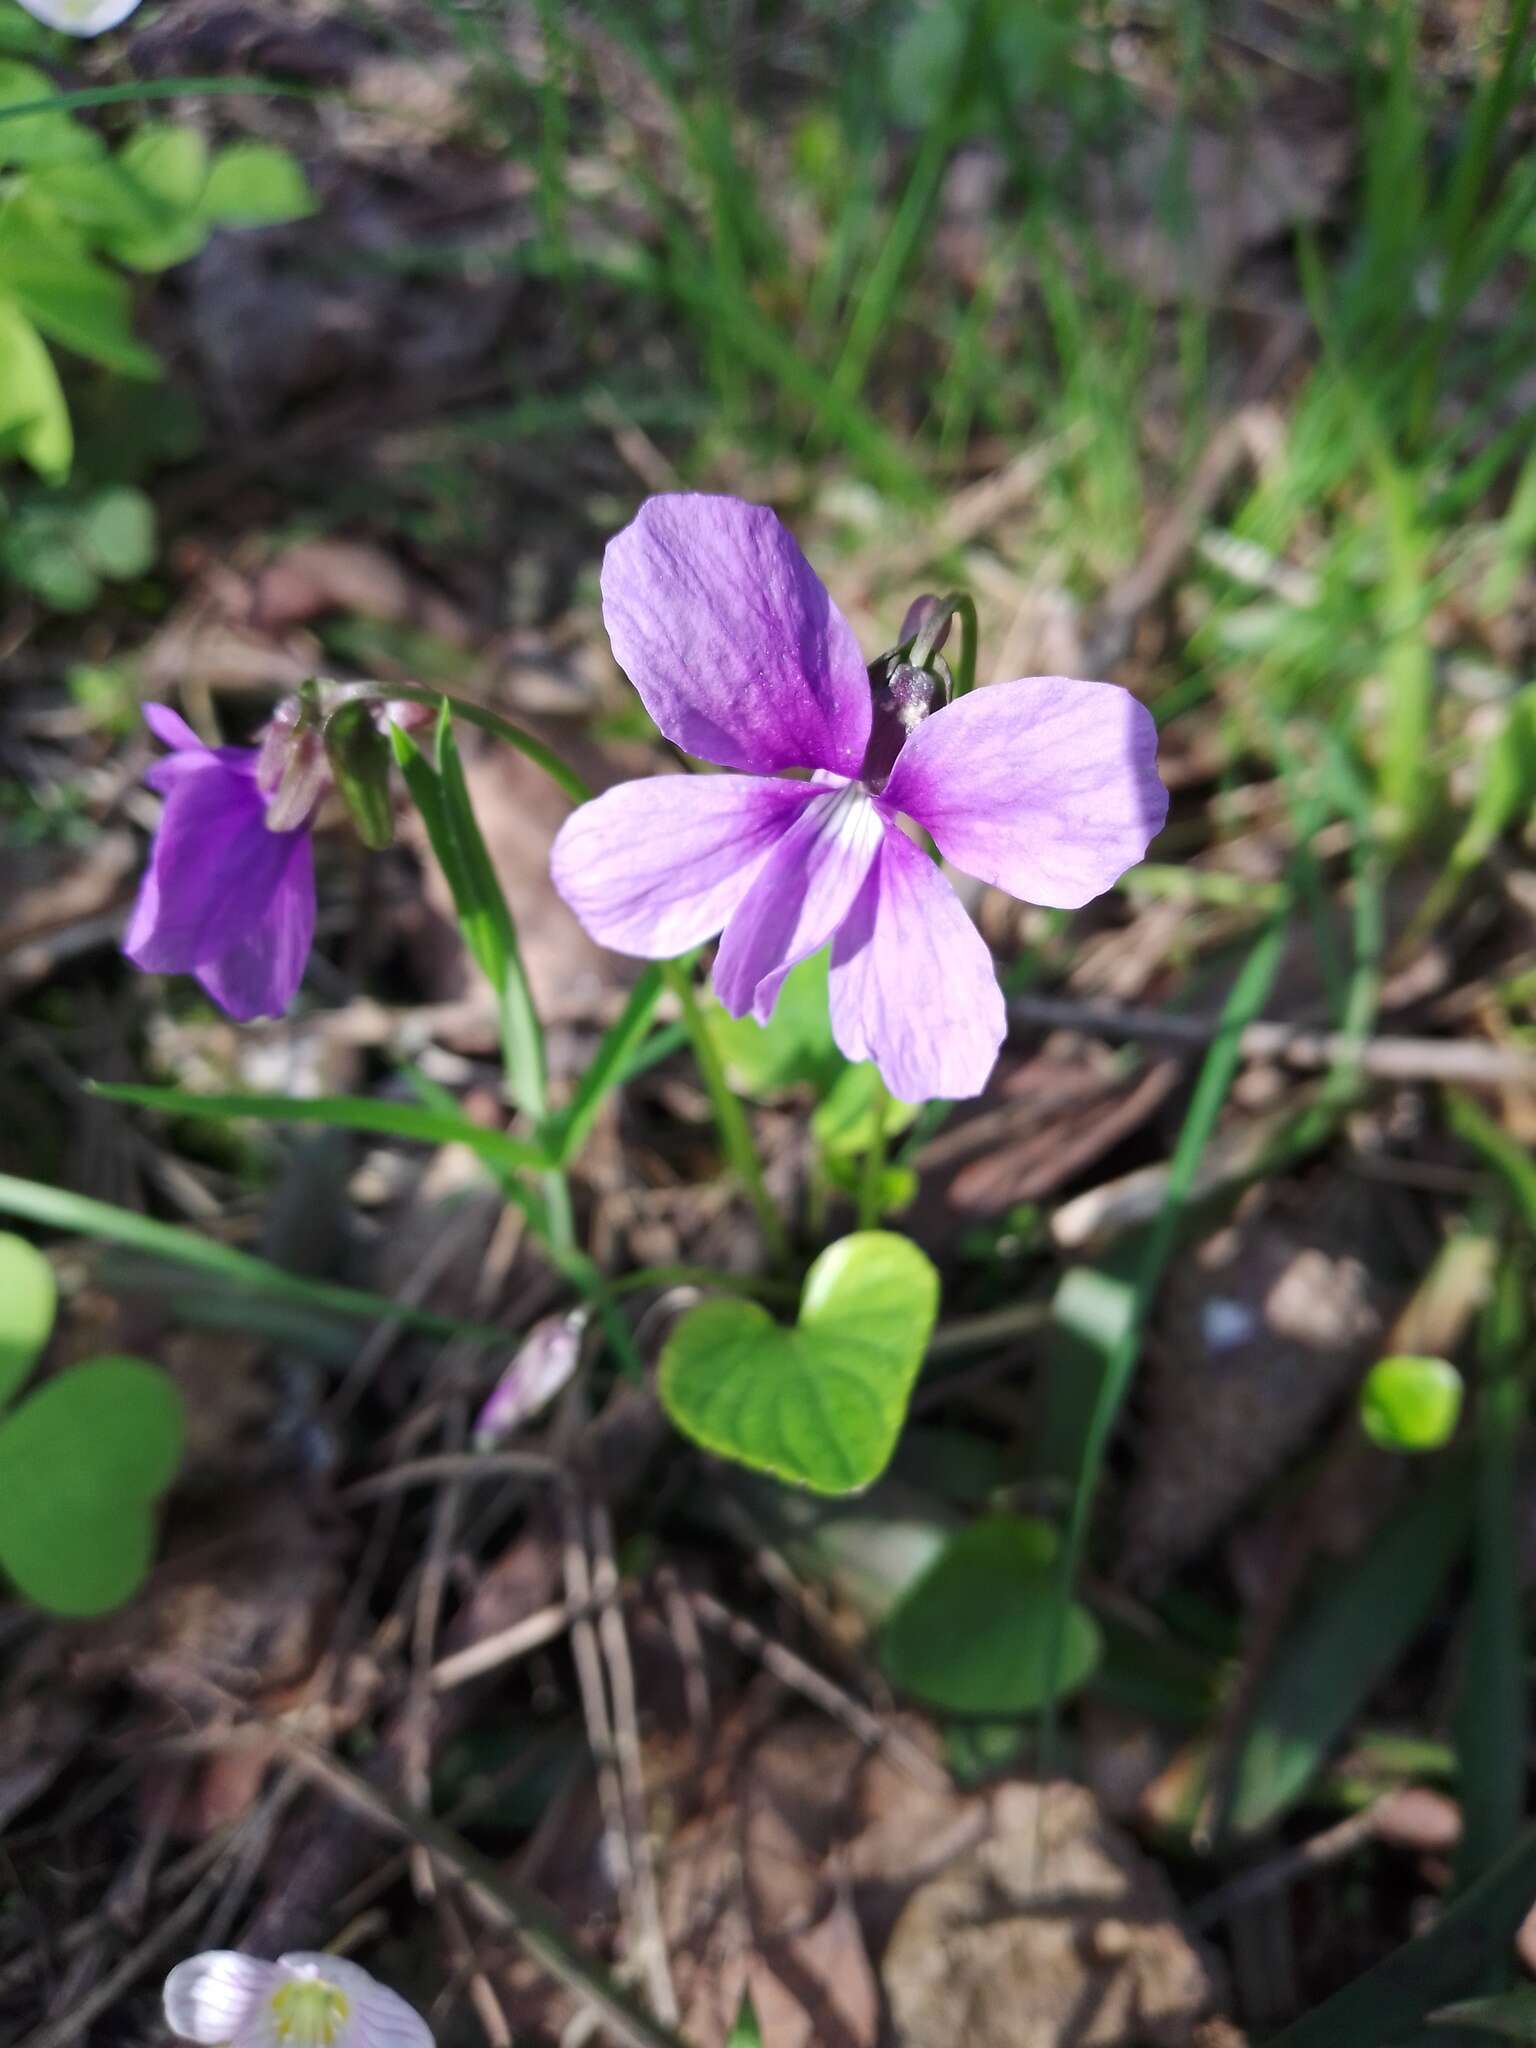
730	1118
872	1175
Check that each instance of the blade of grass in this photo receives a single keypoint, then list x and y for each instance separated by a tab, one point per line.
1122	1326
1513	1164
155	89
340	1112
57	1209
1385	2004
609	1065
1491	1716
1344	1645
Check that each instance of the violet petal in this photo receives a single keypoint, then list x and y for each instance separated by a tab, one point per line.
654	867
912	982
1047	787
798	898
728	634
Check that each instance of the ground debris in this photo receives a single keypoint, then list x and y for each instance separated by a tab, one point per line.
1055	1928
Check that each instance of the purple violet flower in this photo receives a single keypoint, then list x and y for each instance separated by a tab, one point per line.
1046	787
227	895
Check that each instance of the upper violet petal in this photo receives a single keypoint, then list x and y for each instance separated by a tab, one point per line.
799	896
259	975
1047	787
731	639
912	983
213	870
654	867
171	729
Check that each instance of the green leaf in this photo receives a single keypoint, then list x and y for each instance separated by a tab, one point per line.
608	1067
745	2031
822	1404
72	298
359	756
1357	1627
117	533
169	163
978	1633
343	1113
1511	2017
59	1209
441	794
46	137
28	1299
82	1463
795	1045
31	399
856	1112
255	184
1508	1159
1411	1404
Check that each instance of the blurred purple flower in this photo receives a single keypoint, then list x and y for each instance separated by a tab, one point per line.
1046	787
226	896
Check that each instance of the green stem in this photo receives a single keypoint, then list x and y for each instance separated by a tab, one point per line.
872	1176
730	1118
503	728
958	604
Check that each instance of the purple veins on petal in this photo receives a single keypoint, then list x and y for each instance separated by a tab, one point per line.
912	982
654	867
731	639
798	898
1047	787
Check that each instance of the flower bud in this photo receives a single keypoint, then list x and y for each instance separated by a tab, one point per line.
291	769
919	612
359	757
545	1360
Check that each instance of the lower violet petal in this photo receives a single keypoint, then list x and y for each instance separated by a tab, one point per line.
799	897
212	872
654	867
259	975
1047	787
912	983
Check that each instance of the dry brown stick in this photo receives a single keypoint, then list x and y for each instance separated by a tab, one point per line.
1471	1062
499	1902
815	1686
416	1747
1249	1886
614	1643
68	2029
587	1657
505	1647
450	1465
482	1993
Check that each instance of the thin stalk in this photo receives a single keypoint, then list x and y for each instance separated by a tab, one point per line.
503	729
730	1118
872	1175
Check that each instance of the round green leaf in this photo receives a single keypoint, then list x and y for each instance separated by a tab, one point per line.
28	1298
82	1463
256	184
117	532
796	1043
31	397
979	1633
1411	1404
822	1404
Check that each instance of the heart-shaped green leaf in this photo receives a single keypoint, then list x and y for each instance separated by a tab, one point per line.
82	1463
822	1404
28	1299
980	1632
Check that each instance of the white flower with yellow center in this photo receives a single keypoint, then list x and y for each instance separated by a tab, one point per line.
81	17
226	2000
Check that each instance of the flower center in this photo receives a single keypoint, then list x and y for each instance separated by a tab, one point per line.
309	2013
901	698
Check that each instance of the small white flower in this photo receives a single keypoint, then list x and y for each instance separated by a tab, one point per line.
226	2000
81	17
